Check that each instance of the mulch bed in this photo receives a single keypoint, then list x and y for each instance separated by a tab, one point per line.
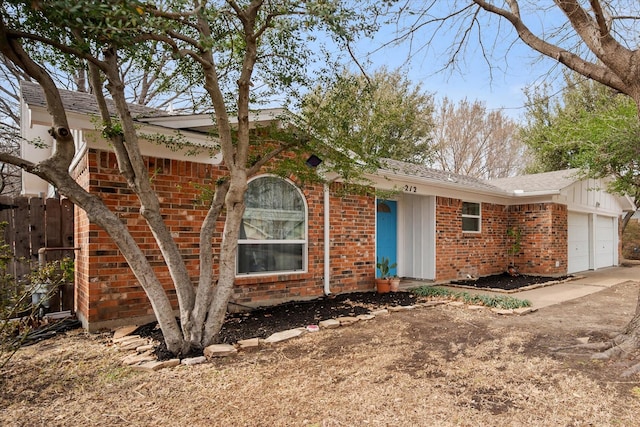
506	282
264	321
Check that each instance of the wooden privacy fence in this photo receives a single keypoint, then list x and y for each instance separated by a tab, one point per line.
35	223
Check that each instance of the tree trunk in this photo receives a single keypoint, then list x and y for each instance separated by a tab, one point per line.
628	341
228	254
205	289
625	221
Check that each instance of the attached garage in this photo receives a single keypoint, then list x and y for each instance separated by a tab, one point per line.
592	214
592	242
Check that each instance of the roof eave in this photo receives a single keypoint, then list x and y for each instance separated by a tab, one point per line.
385	173
523	194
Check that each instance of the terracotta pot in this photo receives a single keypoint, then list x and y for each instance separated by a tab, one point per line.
394	284
383	286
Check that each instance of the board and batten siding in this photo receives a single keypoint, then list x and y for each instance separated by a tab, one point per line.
417	241
593	225
590	196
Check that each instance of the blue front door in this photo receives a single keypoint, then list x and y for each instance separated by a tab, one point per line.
386	232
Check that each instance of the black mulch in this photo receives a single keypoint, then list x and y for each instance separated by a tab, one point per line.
265	321
262	322
506	282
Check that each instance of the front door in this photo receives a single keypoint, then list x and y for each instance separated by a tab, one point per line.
387	232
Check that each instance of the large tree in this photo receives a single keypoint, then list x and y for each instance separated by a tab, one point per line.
591	127
225	47
379	116
470	140
597	39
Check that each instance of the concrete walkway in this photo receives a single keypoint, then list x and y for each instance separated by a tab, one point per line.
587	283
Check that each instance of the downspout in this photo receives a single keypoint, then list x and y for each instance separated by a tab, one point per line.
327	223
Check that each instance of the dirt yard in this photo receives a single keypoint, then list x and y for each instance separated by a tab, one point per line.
443	366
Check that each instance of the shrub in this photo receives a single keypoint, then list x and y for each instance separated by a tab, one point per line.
494	301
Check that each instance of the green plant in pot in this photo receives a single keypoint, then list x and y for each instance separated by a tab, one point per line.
383	283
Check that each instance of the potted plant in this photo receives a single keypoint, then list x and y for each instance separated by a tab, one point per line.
394	283
383	283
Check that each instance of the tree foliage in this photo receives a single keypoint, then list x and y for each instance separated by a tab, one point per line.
381	116
591	127
473	141
235	52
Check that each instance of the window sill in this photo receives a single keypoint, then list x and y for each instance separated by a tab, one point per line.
271	277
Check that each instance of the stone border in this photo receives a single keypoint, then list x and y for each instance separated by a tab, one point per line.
143	359
513	291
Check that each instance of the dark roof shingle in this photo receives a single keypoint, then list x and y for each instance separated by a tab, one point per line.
421	171
80	102
539	182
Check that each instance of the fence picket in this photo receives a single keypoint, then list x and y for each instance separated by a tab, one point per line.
34	223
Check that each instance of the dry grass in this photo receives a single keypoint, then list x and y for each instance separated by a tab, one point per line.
443	366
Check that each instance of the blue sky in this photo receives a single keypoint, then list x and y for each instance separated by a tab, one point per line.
516	65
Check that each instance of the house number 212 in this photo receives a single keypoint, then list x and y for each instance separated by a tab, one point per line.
410	188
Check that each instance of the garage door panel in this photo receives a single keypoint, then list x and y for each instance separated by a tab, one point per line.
590	244
605	242
578	242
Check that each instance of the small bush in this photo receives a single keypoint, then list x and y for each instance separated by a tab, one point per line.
493	301
19	316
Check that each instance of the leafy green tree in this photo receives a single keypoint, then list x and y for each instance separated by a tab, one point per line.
236	52
381	116
591	127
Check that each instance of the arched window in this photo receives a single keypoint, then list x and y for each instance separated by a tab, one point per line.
273	234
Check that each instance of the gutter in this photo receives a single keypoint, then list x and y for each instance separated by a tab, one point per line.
521	193
327	223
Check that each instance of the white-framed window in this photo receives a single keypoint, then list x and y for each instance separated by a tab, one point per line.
273	234
471	217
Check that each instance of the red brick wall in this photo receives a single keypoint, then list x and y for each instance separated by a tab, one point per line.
81	240
543	229
353	247
107	290
477	254
106	287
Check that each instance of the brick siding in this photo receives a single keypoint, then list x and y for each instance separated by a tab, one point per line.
543	227
543	231
107	292
459	253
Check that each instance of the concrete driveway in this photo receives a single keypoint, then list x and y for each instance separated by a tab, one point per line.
587	283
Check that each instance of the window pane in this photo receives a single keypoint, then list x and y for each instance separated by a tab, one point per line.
470	208
274	211
470	224
273	257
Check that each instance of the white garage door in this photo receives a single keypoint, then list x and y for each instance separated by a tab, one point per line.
605	242
578	238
